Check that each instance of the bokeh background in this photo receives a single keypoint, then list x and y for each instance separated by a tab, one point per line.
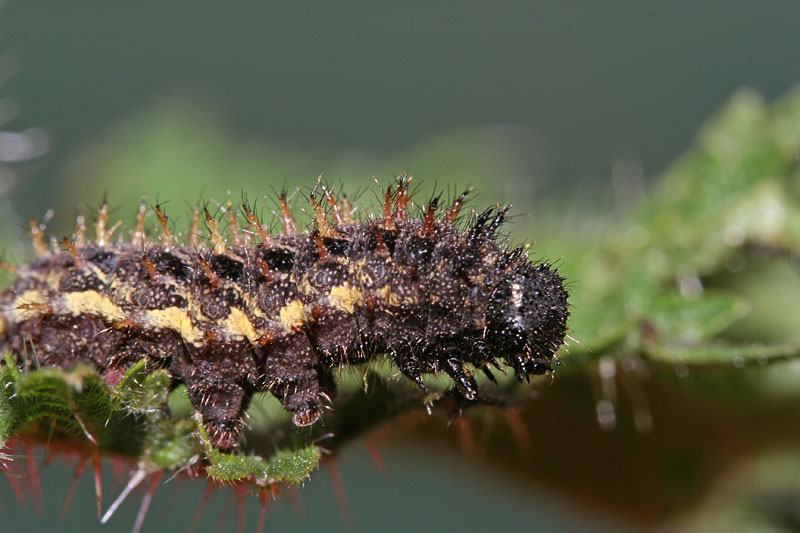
570	111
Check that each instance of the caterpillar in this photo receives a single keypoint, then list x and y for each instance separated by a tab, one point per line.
246	311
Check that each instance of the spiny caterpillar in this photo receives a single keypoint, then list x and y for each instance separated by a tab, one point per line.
254	311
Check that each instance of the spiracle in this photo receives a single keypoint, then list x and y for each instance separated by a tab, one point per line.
249	311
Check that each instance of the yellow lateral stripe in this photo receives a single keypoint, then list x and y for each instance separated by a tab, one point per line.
388	298
345	298
26	298
177	320
293	316
92	303
239	325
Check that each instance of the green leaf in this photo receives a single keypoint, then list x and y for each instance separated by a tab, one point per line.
142	391
289	466
678	320
720	354
294	466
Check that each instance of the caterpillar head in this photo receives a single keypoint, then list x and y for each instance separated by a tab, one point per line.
526	318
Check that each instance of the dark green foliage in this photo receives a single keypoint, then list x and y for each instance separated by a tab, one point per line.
661	285
131	420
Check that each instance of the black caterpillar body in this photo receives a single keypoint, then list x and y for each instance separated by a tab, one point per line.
280	313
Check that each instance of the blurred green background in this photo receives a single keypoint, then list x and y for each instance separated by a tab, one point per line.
570	111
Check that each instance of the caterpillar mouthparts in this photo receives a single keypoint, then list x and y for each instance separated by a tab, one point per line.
249	311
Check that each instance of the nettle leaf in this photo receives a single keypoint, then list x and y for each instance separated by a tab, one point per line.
8	415
678	320
734	195
294	466
737	355
227	468
142	391
288	466
75	404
